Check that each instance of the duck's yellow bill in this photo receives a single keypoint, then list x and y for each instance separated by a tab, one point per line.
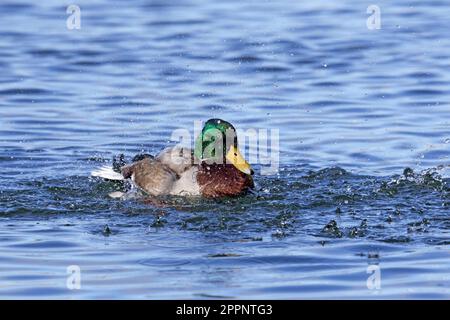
235	157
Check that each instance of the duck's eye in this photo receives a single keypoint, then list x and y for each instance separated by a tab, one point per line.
235	154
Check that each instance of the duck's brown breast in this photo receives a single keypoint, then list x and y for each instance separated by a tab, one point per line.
220	180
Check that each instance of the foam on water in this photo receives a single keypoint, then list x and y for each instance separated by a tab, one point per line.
364	148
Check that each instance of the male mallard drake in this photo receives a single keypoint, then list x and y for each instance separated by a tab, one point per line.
215	168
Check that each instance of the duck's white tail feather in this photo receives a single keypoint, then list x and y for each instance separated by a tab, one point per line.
107	172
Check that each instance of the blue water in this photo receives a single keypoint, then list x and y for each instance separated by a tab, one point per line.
354	107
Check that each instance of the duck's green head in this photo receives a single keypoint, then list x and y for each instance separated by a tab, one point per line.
218	144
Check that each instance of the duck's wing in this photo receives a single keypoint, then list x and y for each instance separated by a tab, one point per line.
178	159
151	175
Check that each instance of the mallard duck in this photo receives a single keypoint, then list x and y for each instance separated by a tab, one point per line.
216	167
